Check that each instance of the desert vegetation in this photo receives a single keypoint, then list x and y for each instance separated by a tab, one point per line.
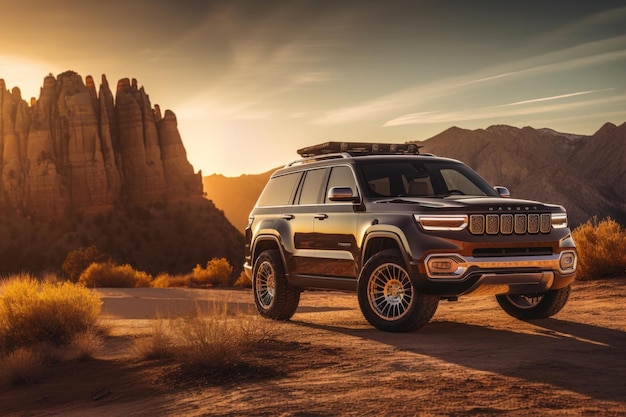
213	342
601	249
42	322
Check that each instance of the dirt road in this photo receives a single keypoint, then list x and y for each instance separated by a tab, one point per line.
472	359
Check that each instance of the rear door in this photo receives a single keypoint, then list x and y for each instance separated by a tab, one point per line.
335	225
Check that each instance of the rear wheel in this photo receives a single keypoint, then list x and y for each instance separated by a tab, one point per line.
273	296
387	297
534	306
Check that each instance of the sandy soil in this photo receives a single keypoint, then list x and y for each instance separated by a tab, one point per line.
472	359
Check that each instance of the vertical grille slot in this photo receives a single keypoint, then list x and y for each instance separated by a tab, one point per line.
507	224
546	223
520	224
477	224
533	223
493	224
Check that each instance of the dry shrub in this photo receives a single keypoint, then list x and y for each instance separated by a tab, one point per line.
216	273
86	344
165	281
33	312
109	274
159	344
243	281
23	365
215	341
78	260
601	249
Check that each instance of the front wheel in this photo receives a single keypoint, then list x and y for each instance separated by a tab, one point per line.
273	296
534	306
387	297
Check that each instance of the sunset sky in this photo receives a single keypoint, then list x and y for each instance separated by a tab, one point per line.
252	81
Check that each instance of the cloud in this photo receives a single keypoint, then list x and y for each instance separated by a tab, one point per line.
502	111
584	55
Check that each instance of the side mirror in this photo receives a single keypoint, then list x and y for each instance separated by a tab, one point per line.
502	191
342	194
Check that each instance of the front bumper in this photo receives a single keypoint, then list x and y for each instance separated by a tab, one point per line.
454	275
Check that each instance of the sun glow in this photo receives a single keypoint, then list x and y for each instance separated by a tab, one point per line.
22	73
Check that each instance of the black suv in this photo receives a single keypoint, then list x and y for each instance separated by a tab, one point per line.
404	230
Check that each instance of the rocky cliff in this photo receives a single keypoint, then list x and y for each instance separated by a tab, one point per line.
76	149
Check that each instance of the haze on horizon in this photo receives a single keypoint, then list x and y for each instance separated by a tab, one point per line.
251	82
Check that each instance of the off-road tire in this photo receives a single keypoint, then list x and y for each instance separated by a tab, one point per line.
273	296
387	297
534	306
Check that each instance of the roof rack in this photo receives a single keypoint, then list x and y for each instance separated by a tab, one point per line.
359	148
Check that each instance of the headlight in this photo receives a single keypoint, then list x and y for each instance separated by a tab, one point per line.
449	222
559	220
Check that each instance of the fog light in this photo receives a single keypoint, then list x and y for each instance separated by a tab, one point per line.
444	267
568	261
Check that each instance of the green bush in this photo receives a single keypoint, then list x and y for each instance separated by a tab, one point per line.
601	249
217	273
33	312
109	274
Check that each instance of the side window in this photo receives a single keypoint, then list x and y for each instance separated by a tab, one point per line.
341	176
279	190
312	187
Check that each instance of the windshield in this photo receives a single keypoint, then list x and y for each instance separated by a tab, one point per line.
420	178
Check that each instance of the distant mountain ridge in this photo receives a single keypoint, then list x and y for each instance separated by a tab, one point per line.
586	174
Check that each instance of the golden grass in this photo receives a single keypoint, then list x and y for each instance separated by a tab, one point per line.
243	281
108	274
217	340
32	312
23	365
42	322
216	273
601	249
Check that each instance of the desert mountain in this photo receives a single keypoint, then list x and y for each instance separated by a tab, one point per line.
586	174
583	173
82	167
235	195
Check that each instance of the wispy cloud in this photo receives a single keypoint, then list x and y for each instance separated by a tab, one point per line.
584	55
501	111
559	97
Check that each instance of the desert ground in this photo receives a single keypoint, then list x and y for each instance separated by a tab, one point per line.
471	359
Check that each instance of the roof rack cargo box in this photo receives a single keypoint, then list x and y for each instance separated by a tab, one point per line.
359	148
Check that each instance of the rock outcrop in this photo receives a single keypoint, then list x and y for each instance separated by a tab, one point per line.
77	150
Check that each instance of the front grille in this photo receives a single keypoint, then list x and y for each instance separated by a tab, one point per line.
508	224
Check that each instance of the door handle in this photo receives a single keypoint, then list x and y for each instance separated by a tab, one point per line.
321	216
288	217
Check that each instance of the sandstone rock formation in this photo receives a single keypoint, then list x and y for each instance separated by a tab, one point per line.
76	150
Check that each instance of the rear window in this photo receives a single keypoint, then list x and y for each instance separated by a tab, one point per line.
279	190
